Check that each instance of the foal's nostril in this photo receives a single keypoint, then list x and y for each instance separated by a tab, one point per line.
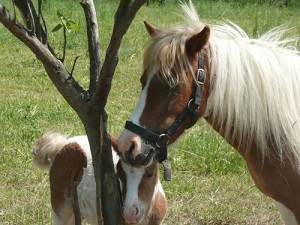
131	214
136	211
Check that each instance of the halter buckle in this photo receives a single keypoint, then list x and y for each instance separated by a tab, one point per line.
201	76
162	141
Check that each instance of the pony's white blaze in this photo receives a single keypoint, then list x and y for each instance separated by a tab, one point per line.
128	138
135	117
133	208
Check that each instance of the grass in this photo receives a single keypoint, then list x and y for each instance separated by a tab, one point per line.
210	184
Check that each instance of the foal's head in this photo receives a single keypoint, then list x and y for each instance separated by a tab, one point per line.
143	197
139	189
168	87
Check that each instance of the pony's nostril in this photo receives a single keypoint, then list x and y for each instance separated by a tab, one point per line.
132	146
142	159
129	157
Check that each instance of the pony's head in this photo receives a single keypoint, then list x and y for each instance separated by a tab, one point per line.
175	64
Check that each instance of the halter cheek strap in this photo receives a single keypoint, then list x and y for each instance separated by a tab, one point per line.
200	78
160	141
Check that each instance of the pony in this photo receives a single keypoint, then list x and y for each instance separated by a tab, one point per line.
69	162
247	89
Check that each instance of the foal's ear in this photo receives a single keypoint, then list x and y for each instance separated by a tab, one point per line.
114	142
198	41
150	29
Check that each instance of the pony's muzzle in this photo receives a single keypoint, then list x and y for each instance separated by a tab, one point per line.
145	158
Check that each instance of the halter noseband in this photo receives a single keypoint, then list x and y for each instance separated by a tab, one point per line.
160	141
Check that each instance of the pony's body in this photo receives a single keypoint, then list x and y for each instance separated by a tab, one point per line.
251	97
70	163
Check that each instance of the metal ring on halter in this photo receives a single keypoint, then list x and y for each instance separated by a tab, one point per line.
162	141
189	103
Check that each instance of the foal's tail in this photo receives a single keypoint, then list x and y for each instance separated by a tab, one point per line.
46	147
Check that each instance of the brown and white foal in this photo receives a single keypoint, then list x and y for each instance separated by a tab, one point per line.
70	163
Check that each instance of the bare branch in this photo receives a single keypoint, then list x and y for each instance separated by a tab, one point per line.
93	43
123	7
136	5
123	18
32	20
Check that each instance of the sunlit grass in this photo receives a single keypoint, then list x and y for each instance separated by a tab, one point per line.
210	185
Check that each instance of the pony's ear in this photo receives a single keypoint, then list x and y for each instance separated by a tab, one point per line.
198	41
150	29
114	142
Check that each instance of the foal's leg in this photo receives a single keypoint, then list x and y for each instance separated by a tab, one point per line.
66	218
66	171
286	214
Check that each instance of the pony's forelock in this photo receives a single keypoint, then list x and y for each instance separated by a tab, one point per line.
166	53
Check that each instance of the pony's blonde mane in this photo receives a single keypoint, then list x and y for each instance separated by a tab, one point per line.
255	83
256	89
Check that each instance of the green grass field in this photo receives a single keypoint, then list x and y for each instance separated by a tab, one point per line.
210	185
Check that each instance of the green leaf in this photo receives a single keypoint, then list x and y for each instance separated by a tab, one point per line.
59	14
57	28
74	25
64	21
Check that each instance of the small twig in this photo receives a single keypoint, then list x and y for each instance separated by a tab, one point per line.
40	15
15	15
73	67
33	30
64	48
39	31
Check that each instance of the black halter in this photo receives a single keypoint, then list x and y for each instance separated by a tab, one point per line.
159	142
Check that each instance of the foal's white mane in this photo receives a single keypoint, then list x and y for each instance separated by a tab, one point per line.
255	91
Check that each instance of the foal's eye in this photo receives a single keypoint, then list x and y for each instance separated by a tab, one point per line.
149	174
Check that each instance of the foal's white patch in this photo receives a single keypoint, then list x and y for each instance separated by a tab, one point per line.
133	179
286	214
158	188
